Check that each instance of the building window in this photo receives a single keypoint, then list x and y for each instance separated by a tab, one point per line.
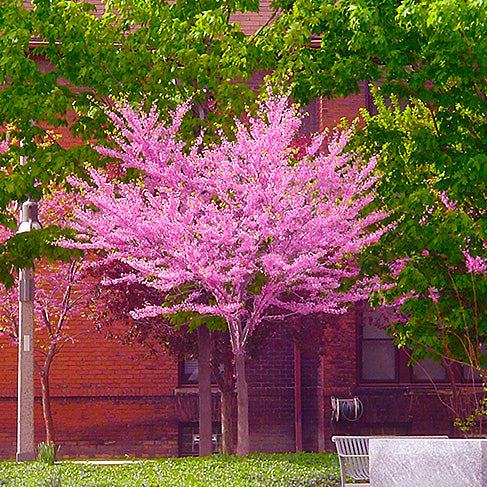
382	362
378	353
189	439
428	370
189	372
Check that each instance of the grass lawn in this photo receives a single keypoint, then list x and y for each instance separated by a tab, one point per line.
288	470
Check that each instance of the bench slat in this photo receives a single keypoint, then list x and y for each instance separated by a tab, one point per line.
353	454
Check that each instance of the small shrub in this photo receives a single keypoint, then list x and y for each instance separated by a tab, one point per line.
46	453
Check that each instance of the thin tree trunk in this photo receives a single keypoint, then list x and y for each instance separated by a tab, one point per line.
222	366
204	390
458	411
46	409
228	440
243	442
321	405
298	406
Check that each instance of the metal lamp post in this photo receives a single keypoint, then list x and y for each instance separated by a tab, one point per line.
25	398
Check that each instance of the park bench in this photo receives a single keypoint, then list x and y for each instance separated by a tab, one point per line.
353	454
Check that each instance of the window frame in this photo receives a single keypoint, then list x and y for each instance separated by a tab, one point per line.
181	375
404	373
194	451
398	359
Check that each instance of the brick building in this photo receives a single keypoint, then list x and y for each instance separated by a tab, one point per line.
110	400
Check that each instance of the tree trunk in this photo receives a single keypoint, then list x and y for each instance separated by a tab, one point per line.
298	406
204	390
321	405
46	409
243	443
222	367
228	440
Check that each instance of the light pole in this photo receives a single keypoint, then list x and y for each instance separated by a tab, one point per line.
25	398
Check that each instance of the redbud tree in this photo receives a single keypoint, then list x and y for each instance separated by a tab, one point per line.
249	230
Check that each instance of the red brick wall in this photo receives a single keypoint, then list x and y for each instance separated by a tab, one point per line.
116	426
93	366
398	409
107	398
271	398
332	111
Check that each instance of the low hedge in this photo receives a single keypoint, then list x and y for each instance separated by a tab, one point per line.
287	470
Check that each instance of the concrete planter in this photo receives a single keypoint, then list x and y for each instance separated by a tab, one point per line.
428	462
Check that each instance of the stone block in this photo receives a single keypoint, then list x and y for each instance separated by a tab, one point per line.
428	462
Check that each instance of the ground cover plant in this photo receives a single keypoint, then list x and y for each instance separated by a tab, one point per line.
277	470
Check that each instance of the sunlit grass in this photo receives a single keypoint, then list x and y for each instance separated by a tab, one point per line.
289	470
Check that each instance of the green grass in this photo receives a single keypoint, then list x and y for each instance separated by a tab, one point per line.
288	470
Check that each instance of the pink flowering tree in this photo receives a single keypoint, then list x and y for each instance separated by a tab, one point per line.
62	293
249	230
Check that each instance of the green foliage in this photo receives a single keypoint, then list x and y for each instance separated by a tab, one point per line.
433	49
474	420
61	65
287	470
194	320
430	234
428	61
446	306
21	251
46	453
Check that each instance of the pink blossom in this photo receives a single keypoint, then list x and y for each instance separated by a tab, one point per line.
475	265
4	144
397	265
428	211
450	204
262	232
433	294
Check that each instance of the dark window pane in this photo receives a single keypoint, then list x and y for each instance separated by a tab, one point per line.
190	371
378	360
375	322
372	332
189	439
428	370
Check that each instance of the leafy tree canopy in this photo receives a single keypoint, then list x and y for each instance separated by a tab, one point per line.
428	61
61	63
